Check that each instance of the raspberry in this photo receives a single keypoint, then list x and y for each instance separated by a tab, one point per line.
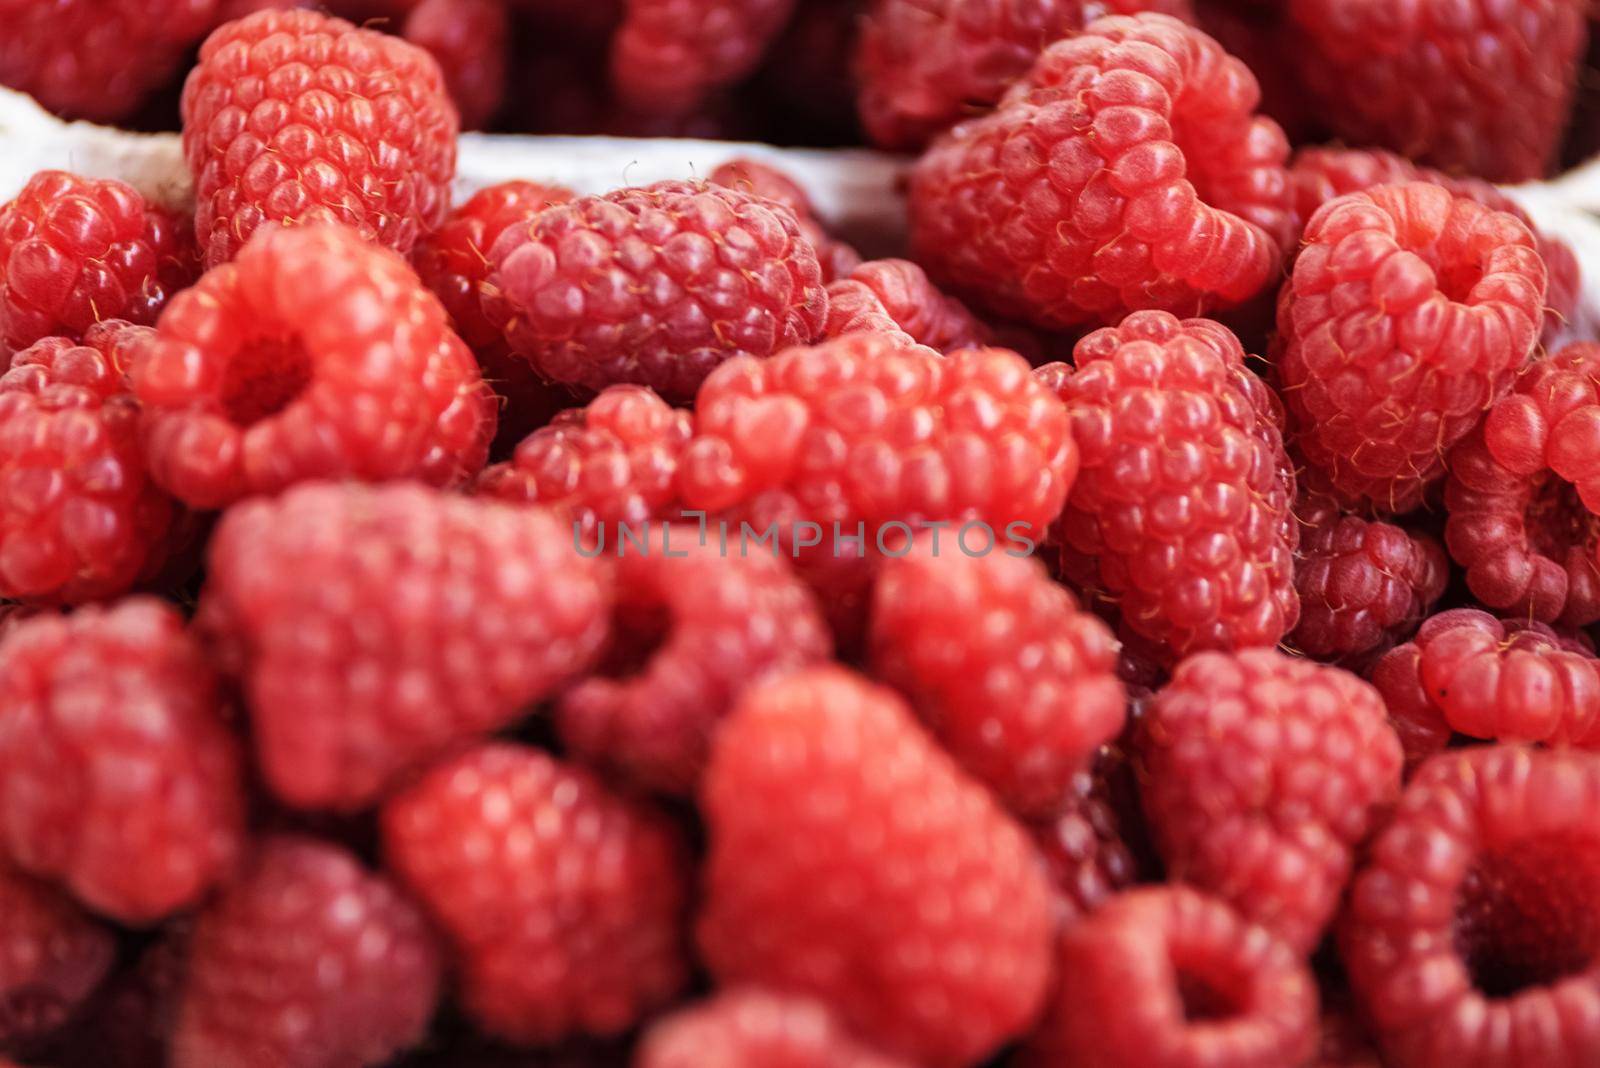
1408	313
923	65
81	519
657	285
564	902
1094	848
836	258
51	959
313	355
307	961
851	860
1260	774
1523	495
1364	585
1167	977
914	305
1182	513
1015	681
75	251
1256	33
468	40
700	626
118	776
1127	171
1469	936
1480	87
669	55
294	116
749	1028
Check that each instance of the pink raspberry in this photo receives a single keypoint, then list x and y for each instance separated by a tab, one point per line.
669	55
51	960
911	301
467	38
836	258
746	1028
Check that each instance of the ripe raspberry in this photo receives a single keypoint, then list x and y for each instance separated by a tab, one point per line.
1168	977
1408	313
563	901
1127	171
751	1027
295	117
1260	774
1182	514
118	776
836	258
1478	87
1256	32
76	251
669	55
852	861
1469	936
1364	585
1344	1042
657	285
913	303
924	66
467	38
308	961
81	519
313	355
51	959
1095	847
997	659
1523	495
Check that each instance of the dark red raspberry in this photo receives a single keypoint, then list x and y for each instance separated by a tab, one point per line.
1344	1042
51	959
914	304
294	117
1257	32
669	55
307	961
1523	495
564	902
1095	848
836	258
118	775
1127	171
851	860
373	627
1408	313
752	1028
1481	86
1182	514
1470	933
468	40
315	354
657	285
81	519
1260	774
1029	695
76	251
1364	585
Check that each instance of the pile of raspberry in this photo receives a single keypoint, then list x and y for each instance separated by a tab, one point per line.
1145	618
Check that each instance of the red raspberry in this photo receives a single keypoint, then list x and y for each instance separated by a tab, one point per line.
294	116
657	285
1256	32
1480	86
753	1028
1094	849
924	65
852	861
468	40
76	251
1127	171
118	775
81	519
564	902
1408	313
836	258
913	303
669	55
313	355
1469	936
1182	515
1344	1042
1523	495
51	959
1261	773
1008	673
308	961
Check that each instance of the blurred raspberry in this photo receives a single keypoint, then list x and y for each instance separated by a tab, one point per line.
563	902
1095	847
809	81
1127	171
912	303
315	354
51	959
1408	313
468	40
752	1028
373	628
669	55
851	860
295	117
1257	32
836	258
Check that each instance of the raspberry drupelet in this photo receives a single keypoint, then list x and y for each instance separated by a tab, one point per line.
1096	846
52	959
1523	495
1182	514
911	301
1127	171
315	354
1408	313
836	258
1470	932
295	117
563	903
750	1027
467	38
656	285
668	56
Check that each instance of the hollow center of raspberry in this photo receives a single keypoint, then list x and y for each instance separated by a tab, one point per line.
1528	915
638	633
1204	1000
1457	279
263	378
1557	521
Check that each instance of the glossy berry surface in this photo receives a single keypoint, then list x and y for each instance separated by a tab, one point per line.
741	1028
